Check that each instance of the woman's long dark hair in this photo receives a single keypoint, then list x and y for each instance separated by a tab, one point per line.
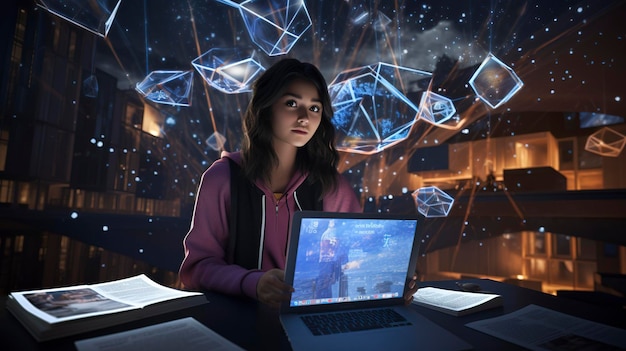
318	157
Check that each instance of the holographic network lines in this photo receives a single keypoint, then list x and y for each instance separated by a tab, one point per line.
95	17
372	107
274	25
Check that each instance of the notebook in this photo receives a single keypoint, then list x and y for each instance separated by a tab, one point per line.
356	265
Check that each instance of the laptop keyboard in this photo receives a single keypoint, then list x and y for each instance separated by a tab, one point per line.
343	322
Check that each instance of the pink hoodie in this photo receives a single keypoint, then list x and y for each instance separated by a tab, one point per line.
204	266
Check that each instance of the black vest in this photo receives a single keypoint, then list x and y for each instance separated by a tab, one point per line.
246	215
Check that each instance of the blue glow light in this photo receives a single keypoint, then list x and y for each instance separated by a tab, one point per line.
593	119
274	25
494	82
432	202
228	70
216	141
90	86
435	108
167	87
372	110
96	16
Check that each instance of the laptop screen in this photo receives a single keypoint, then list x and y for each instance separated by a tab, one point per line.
343	259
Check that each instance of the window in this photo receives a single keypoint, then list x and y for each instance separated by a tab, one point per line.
561	245
536	245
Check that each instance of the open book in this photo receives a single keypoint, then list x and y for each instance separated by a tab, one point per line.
456	303
58	312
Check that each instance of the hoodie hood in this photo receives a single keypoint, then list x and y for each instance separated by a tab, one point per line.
296	180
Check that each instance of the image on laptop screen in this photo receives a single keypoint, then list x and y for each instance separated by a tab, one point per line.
351	259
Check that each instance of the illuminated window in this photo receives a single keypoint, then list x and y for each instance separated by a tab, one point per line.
535	268
536	244
561	272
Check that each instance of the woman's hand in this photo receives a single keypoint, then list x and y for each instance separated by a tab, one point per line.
271	288
408	296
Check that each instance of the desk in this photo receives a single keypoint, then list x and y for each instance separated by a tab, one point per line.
255	327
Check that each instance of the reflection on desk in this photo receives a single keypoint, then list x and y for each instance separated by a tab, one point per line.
253	326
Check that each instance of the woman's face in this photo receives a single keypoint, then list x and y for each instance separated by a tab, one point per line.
296	114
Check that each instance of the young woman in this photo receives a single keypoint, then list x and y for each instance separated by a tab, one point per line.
237	242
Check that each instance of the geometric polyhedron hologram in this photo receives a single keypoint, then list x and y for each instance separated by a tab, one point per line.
167	87
94	16
435	108
494	82
228	70
432	202
90	86
216	141
274	25
375	106
606	142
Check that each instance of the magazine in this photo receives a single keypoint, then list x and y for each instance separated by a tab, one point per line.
456	303
58	312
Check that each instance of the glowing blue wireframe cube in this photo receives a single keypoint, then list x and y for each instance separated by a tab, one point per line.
94	16
432	202
606	142
372	107
90	86
275	25
167	87
216	141
435	108
494	82
228	70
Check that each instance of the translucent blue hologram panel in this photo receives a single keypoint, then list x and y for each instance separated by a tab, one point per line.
90	86
432	202
216	141
436	108
376	106
275	25
167	87
606	142
94	16
593	119
228	70
494	82
381	23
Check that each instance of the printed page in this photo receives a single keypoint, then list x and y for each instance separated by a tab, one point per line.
63	304
451	299
539	328
140	291
181	334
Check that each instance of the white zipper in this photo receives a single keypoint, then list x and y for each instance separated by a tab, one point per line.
262	241
295	198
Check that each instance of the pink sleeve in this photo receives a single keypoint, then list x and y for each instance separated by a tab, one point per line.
343	199
204	266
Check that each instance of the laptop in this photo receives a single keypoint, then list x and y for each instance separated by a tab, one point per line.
359	265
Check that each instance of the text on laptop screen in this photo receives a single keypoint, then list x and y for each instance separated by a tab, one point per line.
341	260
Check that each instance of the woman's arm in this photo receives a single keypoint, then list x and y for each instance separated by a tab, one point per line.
204	266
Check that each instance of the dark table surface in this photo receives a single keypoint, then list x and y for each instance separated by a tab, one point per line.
256	327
